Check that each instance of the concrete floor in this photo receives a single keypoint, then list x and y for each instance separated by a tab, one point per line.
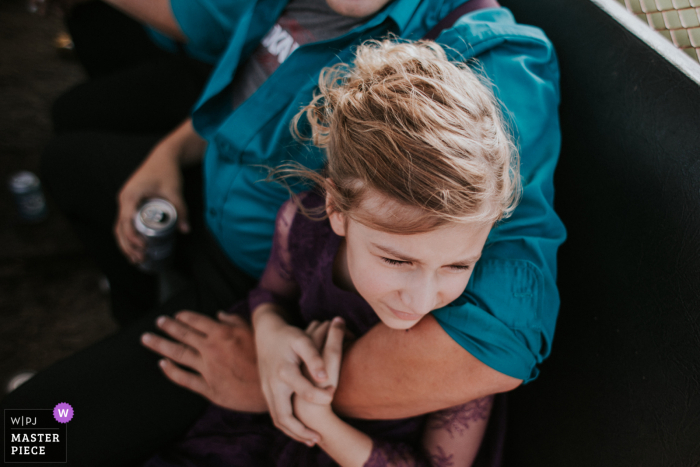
50	303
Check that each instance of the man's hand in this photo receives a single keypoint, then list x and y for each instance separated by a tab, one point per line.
282	349
222	353
159	176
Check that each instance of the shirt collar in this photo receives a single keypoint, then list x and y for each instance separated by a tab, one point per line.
414	18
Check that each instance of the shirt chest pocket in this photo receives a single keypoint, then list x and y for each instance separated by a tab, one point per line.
257	139
512	289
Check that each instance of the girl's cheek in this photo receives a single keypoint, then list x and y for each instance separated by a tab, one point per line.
392	283
457	288
376	279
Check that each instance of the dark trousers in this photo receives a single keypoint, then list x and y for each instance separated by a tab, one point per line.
106	126
134	85
124	407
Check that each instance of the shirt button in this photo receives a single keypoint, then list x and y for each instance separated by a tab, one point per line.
212	212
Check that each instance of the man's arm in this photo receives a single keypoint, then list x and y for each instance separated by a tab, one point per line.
159	175
156	13
389	373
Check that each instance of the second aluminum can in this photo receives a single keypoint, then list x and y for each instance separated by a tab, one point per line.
29	198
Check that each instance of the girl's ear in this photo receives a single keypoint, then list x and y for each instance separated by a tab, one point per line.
336	218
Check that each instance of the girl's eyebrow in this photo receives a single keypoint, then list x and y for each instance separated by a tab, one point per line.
390	251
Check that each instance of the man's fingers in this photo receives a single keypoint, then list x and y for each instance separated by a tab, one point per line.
309	354
131	243
181	332
183	223
181	353
129	239
305	388
203	324
130	233
232	319
183	378
135	239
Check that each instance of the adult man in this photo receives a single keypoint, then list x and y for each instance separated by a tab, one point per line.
487	341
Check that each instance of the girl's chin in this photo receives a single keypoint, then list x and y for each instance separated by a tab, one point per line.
394	322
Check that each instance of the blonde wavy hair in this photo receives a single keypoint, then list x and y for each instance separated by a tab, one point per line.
405	122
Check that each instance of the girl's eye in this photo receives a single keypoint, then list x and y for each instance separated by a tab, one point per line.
460	268
393	262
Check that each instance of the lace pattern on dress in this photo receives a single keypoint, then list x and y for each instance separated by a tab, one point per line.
444	451
456	420
393	455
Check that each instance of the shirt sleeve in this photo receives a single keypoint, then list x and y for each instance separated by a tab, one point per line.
209	24
171	45
451	437
507	314
277	284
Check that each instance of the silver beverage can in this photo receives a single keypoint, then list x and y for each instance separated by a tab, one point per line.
29	199
156	220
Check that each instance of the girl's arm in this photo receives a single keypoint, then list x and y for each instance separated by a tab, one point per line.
452	436
280	347
348	446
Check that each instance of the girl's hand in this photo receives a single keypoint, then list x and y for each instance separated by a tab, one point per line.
329	337
326	339
281	350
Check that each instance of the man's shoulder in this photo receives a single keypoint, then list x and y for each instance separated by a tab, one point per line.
484	30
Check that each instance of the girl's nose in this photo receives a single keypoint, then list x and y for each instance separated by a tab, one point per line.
419	298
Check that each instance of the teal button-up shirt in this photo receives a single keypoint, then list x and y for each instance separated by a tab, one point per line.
507	314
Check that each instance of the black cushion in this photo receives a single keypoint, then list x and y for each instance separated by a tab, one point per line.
622	386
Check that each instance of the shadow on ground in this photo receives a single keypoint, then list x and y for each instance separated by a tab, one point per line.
50	303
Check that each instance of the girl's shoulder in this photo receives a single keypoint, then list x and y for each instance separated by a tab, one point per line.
297	209
305	209
305	230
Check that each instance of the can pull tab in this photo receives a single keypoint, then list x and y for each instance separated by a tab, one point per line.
156	216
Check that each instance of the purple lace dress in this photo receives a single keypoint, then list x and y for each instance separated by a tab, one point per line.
299	277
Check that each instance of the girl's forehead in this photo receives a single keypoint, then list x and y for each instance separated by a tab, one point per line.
382	207
446	244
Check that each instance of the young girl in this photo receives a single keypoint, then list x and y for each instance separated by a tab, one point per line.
420	167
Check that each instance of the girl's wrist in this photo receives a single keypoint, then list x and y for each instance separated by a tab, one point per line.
348	446
264	315
317	417
331	429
